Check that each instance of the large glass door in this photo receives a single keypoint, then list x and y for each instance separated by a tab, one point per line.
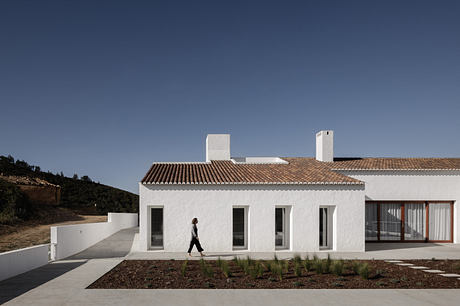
239	227
414	221
390	221
409	221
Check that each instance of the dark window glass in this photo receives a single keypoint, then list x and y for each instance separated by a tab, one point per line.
157	227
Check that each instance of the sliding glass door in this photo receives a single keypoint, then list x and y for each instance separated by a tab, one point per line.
414	221
390	221
409	221
440	222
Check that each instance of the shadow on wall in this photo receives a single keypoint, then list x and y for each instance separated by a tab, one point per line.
20	284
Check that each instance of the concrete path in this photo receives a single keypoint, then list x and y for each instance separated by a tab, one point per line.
69	289
64	282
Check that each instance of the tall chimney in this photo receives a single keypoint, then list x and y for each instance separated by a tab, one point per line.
217	147
325	146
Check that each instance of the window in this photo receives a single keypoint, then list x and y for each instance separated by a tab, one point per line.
439	221
282	227
325	227
240	227
409	221
156	221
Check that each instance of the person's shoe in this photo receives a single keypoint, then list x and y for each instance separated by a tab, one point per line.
202	255
190	254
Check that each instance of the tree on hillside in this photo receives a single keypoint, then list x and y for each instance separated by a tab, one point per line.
75	176
86	178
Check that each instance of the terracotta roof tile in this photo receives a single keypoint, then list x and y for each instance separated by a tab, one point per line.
383	163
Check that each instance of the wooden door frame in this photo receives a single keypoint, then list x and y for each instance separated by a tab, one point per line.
427	215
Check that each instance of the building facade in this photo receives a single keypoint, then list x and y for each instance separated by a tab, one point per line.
266	204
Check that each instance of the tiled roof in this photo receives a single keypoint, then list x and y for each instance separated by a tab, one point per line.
395	164
298	171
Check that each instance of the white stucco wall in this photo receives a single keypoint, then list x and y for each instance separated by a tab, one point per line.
19	261
413	185
67	240
212	205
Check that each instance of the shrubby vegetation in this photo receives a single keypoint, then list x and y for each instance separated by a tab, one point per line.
81	194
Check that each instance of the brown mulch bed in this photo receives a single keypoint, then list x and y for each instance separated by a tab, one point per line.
166	274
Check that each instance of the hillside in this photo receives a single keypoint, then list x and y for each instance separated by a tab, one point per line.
81	195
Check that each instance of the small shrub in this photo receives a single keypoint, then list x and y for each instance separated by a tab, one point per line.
336	284
318	266
327	264
355	266
271	279
235	259
394	280
379	273
249	260
297	269
284	265
433	259
183	268
297	259
364	271
219	262
275	258
298	284
380	283
259	268
225	269
337	267
209	285
307	264
148	285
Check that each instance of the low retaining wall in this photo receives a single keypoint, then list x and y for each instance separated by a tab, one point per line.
19	261
68	240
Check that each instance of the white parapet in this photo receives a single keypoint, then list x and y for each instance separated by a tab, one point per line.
19	261
68	240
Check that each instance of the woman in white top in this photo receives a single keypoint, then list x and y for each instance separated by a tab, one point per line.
195	240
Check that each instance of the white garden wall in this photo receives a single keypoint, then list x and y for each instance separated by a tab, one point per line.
212	205
19	261
413	185
68	240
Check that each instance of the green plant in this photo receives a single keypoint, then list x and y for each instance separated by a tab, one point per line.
250	285
318	266
275	258
433	259
419	284
364	271
183	268
206	269
297	284
297	259
355	266
225	269
148	285
337	267
259	268
307	264
249	260
297	269
404	278
284	265
394	280
327	264
272	279
209	285
219	262
336	284
235	259
380	283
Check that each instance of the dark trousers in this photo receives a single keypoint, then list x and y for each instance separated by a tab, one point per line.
196	242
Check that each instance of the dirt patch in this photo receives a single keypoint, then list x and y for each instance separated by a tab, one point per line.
156	274
29	233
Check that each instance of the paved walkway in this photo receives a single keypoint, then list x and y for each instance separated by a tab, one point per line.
64	282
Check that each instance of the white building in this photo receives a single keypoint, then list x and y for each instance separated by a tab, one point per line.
263	204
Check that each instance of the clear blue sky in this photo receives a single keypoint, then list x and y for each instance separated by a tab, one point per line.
104	88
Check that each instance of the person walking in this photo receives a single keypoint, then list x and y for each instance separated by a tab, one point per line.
195	239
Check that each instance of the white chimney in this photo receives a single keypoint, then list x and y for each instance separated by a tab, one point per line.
325	146
217	147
